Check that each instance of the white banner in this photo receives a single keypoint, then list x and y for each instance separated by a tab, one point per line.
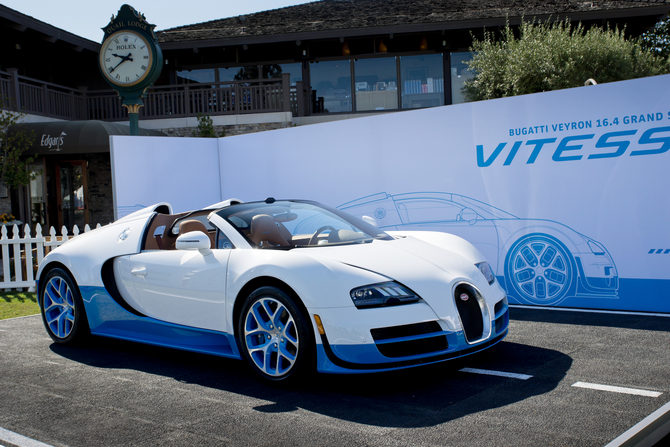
564	192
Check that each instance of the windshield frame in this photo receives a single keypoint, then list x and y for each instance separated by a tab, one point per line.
235	216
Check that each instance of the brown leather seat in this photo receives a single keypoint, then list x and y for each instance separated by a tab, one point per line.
194	225
264	232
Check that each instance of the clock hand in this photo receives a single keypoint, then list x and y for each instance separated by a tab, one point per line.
123	59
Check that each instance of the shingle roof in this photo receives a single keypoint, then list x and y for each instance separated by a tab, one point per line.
339	15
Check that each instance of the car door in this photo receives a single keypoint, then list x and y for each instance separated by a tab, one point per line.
180	286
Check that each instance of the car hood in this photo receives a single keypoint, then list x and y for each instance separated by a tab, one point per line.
428	270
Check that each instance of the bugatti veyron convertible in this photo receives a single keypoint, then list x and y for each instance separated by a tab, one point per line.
288	285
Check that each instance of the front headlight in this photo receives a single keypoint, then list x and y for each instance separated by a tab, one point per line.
485	268
596	248
383	294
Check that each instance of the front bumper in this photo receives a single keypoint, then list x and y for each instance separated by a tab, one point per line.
399	337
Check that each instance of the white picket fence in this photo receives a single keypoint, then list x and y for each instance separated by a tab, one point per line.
28	252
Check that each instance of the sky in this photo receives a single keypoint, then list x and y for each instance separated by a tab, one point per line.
85	17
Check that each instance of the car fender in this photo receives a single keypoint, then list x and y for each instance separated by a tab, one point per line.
318	283
85	254
571	240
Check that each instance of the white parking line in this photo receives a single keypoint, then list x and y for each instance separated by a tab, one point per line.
19	440
616	389
496	373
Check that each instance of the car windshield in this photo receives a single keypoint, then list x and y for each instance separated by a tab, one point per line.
296	224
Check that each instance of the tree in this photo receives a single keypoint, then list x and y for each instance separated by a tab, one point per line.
206	128
552	56
14	142
657	40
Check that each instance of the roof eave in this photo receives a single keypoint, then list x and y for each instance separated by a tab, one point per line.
659	11
50	32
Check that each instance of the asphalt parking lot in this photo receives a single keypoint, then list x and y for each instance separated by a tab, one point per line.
116	393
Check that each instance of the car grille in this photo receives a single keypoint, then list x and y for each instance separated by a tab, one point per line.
499	306
501	313
410	339
470	312
502	322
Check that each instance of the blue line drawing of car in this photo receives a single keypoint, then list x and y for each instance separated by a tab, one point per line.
540	262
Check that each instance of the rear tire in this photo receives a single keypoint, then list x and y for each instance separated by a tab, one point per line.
62	308
275	337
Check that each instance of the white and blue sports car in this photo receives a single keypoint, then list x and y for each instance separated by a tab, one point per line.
288	285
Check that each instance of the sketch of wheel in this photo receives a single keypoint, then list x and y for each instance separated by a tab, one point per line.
539	270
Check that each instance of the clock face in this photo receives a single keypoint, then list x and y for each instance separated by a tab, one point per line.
125	58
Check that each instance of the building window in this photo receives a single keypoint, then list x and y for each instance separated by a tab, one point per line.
269	71
295	70
376	84
331	86
422	80
228	74
196	76
459	74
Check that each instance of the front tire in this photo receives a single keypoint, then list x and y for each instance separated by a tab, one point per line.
62	308
274	335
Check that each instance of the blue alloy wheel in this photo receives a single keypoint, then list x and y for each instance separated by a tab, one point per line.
540	270
274	336
62	307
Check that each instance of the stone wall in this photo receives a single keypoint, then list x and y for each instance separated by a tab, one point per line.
100	196
237	129
5	205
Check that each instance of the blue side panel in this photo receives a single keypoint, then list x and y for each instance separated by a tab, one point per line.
108	319
634	295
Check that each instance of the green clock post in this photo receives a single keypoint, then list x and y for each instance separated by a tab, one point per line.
130	59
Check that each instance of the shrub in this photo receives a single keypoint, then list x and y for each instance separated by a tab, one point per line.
552	56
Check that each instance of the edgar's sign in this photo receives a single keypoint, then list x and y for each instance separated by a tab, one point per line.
53	143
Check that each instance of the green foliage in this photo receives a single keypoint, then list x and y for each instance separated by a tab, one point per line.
13	144
657	41
18	304
206	127
552	56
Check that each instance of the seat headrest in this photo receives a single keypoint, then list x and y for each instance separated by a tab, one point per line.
192	225
264	229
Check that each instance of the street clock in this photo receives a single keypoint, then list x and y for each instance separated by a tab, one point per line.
130	59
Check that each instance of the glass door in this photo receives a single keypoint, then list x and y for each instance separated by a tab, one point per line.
72	192
38	199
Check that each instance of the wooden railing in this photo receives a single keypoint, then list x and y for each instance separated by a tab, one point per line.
41	98
169	101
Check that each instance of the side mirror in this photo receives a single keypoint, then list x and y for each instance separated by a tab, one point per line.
468	215
194	240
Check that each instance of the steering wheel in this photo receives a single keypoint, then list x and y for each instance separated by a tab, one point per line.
312	240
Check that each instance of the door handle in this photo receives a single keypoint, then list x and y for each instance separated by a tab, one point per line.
139	271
